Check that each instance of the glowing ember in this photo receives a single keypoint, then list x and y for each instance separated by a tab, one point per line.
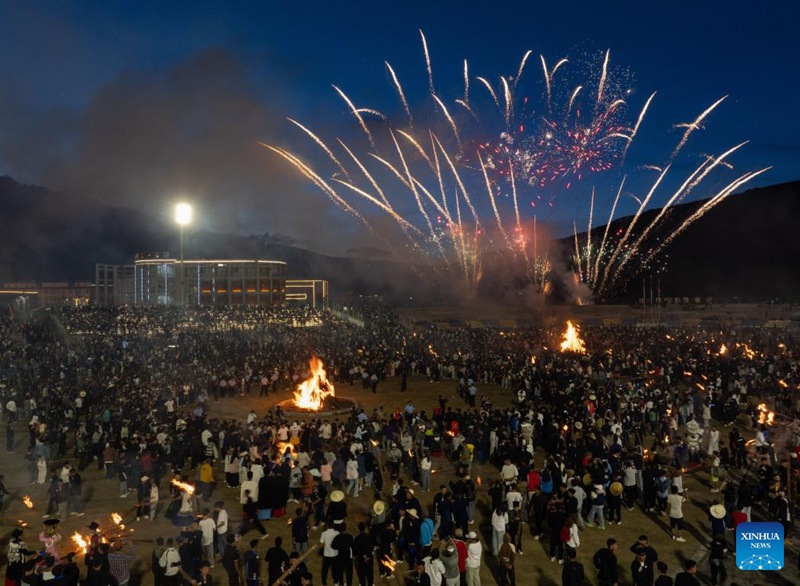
723	350
765	416
183	486
82	544
117	518
26	500
572	341
311	393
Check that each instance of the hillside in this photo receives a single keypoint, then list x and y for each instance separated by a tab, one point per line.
746	247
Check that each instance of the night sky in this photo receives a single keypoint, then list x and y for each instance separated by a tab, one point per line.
142	104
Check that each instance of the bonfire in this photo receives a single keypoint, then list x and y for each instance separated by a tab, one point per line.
572	341
312	392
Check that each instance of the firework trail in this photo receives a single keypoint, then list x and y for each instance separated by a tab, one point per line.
427	63
572	133
400	92
692	126
356	113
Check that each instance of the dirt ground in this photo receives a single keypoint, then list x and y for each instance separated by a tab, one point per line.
534	567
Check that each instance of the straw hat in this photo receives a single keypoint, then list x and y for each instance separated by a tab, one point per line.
379	507
413	513
337	496
717	511
615	488
578	425
587	479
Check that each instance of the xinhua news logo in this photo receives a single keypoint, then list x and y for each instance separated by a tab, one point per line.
759	546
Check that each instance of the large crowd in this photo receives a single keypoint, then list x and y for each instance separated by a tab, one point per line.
585	437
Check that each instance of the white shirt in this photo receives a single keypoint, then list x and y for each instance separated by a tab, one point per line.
207	527
222	522
499	521
326	539
170	560
509	472
474	551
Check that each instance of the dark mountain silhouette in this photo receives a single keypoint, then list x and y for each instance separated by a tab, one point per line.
745	247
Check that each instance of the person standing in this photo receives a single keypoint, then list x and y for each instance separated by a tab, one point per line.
329	553
474	554
688	577
207	527
641	571
662	579
598	497
232	561
718	550
221	520
452	577
507	557
675	508
170	562
499	523
252	565
556	518
363	546
572	574
343	564
155	556
277	561
605	560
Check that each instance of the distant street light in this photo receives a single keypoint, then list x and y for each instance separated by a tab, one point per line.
183	216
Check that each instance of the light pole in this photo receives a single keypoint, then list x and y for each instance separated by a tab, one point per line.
183	215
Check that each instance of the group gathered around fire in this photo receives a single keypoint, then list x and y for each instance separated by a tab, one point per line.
421	493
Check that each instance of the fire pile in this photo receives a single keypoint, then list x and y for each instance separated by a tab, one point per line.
765	416
312	392
572	341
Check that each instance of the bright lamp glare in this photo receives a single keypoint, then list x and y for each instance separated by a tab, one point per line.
183	213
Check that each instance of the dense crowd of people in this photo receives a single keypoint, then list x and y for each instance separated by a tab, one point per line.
588	436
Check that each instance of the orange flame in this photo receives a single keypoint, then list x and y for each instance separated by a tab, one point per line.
82	544
183	486
117	518
723	350
480	481
311	393
388	563
765	416
572	341
26	500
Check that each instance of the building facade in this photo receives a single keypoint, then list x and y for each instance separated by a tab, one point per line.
162	281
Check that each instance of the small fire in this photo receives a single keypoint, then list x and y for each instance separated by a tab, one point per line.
480	481
82	544
117	518
782	383
533	360
572	341
26	500
311	393
723	350
182	485
22	523
388	563
281	446
765	416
